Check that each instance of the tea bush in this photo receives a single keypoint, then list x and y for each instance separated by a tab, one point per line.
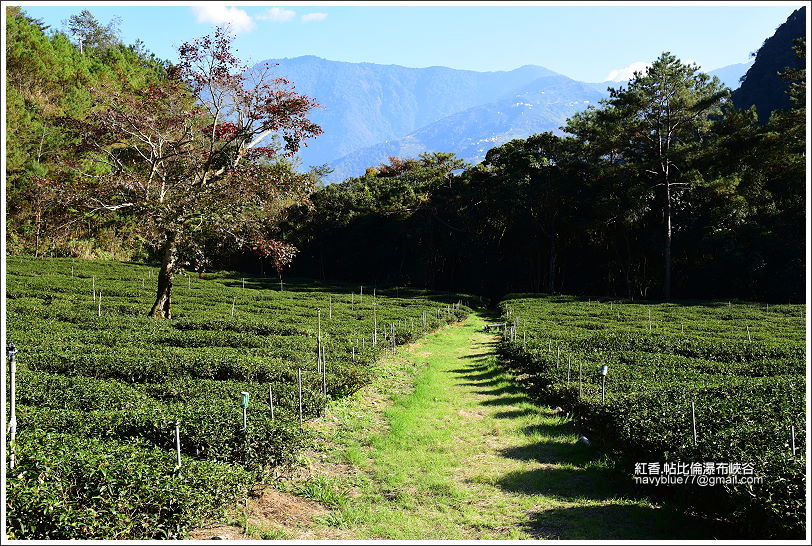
100	387
741	365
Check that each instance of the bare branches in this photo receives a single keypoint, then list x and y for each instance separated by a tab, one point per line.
109	207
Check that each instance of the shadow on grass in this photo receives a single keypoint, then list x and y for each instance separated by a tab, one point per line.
620	522
513	414
563	452
506	389
491	383
478	377
511	400
605	503
555	430
477	356
566	484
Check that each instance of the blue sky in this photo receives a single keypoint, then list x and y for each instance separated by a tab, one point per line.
585	42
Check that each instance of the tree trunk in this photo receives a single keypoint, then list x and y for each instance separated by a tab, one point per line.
39	230
552	266
667	253
161	308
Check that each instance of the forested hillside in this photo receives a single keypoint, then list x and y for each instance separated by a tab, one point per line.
762	86
712	207
50	79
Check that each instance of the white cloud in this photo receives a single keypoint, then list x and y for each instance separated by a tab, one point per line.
277	15
237	19
626	73
316	16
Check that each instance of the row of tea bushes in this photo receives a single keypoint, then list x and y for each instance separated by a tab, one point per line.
67	486
97	377
746	397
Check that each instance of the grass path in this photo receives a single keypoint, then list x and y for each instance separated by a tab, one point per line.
446	445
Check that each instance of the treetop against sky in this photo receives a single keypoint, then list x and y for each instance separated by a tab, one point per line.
596	42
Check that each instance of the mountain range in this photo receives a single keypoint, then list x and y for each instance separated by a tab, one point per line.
371	111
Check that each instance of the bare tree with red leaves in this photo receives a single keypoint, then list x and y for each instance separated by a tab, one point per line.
207	151
280	253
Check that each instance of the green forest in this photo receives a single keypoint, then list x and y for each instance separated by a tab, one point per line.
665	189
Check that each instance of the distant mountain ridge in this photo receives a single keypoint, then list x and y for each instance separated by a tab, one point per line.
731	75
542	105
366	103
372	111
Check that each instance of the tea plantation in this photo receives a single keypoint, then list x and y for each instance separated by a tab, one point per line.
733	372
101	387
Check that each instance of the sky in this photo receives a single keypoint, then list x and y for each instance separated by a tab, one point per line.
591	42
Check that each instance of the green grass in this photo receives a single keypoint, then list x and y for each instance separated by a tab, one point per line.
467	454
